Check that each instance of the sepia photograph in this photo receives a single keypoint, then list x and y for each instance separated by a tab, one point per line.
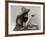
25	18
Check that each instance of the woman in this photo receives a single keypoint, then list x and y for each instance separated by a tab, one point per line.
22	19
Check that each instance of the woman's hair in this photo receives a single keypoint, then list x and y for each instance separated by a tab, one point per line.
24	10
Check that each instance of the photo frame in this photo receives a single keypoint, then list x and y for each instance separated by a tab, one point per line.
36	14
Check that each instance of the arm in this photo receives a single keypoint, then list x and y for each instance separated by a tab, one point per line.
28	21
18	21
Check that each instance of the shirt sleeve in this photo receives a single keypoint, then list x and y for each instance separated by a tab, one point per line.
18	21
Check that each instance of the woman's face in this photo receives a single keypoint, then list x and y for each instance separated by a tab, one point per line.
23	9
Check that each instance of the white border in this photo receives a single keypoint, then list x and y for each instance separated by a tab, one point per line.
22	32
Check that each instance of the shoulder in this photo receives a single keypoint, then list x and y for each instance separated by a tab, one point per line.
18	18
